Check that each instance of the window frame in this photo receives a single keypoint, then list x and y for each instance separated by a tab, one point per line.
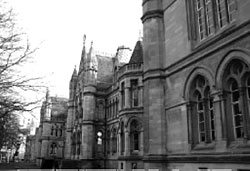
204	91
193	22
240	76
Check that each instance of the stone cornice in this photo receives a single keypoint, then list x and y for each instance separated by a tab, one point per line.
152	14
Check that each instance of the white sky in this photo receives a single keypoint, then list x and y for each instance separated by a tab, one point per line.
57	28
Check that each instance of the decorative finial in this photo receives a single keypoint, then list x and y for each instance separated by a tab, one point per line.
84	39
75	66
91	43
47	92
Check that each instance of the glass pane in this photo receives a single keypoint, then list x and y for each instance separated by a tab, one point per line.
239	132
236	109
238	120
202	137
202	127
234	86
248	92
213	135
221	11
212	124
211	114
201	117
236	96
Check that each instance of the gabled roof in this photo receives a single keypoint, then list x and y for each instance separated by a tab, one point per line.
137	55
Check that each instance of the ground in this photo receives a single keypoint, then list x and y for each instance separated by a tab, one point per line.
18	165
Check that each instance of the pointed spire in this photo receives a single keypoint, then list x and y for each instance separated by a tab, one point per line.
84	39
47	93
84	56
91	59
91	51
74	72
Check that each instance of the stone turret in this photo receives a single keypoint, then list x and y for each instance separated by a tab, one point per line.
73	84
89	106
70	115
47	106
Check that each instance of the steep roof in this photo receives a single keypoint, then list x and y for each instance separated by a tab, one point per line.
137	55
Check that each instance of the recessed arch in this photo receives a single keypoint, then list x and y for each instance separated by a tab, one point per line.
236	54
202	71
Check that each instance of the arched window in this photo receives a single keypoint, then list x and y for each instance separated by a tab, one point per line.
78	141
73	147
53	149
135	136
202	115
236	85
122	135
114	141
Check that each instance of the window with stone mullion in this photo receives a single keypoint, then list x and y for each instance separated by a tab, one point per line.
236	110
231	8
209	17
201	119
212	119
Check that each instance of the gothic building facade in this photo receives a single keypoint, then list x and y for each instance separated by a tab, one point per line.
182	101
47	145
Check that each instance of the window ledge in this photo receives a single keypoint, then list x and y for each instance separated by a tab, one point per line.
200	44
204	146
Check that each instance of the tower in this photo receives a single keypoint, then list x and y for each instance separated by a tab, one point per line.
70	115
89	109
153	50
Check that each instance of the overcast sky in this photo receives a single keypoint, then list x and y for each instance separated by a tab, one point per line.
57	28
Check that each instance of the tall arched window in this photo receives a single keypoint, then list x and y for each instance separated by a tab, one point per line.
236	85
202	116
135	136
73	147
122	135
78	141
114	141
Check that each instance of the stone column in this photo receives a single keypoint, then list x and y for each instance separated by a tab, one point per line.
127	98
127	143
120	101
141	143
119	143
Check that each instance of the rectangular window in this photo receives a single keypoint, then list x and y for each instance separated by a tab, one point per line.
237	113
201	122
212	120
136	141
201	19
123	95
213	15
135	93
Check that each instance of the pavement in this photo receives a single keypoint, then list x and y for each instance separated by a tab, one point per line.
18	165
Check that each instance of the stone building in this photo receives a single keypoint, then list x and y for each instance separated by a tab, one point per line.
181	101
47	145
105	108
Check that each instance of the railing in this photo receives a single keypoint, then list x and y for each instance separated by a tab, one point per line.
130	68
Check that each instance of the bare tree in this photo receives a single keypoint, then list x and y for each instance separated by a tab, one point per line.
15	51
